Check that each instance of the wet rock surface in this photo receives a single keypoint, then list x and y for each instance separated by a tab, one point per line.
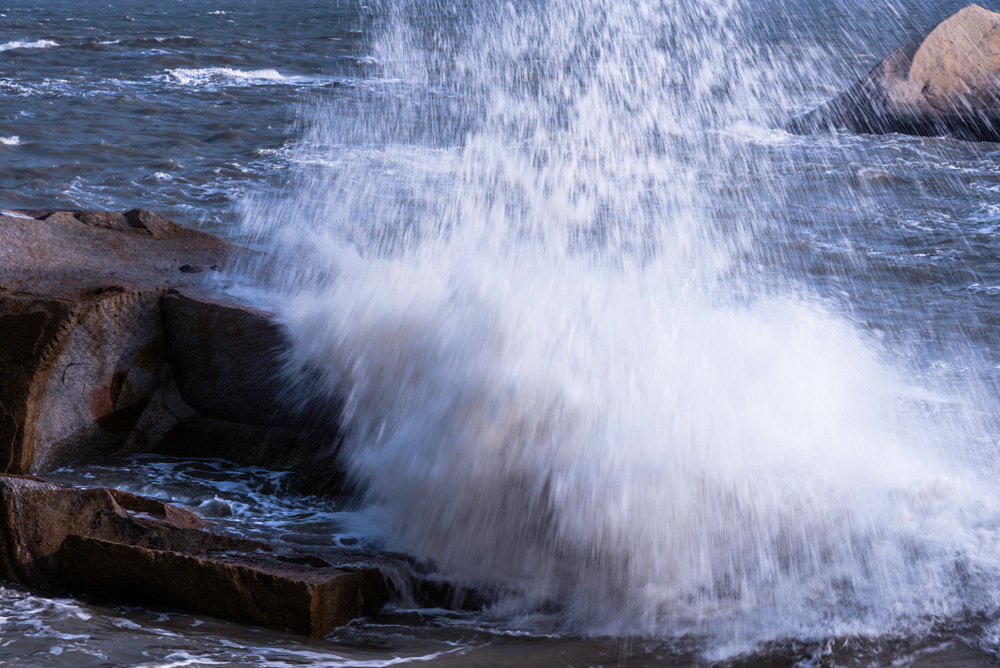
111	340
225	359
121	546
944	83
36	517
306	595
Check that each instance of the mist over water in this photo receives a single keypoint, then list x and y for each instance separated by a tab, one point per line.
544	267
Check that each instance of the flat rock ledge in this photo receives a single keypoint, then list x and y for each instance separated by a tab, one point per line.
119	546
943	83
114	339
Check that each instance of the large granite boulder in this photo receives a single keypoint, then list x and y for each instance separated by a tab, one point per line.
113	339
81	327
946	83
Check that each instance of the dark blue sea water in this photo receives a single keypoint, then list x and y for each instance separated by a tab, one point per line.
182	106
687	385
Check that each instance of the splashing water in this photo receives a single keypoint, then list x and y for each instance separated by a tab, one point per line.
529	262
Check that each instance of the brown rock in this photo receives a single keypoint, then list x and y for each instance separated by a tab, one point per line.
36	516
231	400
76	374
225	358
296	597
64	254
89	351
81	328
944	83
122	546
106	345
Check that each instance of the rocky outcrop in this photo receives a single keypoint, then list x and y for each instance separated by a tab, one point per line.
945	83
81	327
111	339
120	546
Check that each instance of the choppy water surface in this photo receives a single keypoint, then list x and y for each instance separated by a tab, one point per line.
612	343
181	106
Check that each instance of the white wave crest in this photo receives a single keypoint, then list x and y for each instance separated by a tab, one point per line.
19	44
226	76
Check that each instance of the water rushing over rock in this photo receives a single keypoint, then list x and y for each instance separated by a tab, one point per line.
578	367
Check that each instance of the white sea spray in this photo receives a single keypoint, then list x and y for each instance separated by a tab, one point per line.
565	374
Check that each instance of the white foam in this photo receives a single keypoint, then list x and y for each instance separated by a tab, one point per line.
37	44
226	76
13	140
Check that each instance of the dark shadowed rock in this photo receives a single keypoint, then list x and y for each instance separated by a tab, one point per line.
226	359
230	399
171	426
944	83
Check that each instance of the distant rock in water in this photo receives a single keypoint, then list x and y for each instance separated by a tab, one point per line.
944	84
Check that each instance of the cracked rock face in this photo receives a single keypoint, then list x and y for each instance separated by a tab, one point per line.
81	327
945	83
109	342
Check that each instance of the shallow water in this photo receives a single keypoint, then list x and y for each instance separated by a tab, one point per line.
612	340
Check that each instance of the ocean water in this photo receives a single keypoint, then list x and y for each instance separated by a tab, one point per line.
664	382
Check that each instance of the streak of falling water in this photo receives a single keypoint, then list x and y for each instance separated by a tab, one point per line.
531	262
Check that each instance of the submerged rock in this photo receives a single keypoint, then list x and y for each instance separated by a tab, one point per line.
946	83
